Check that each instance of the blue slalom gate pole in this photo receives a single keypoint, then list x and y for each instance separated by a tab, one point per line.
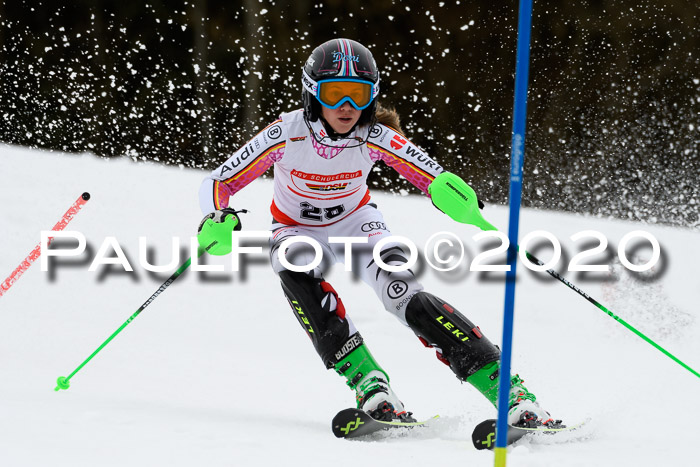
516	185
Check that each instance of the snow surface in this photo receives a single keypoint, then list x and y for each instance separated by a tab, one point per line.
217	372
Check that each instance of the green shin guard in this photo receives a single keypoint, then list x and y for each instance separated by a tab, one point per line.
355	367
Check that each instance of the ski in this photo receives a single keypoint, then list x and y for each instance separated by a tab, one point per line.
484	434
353	423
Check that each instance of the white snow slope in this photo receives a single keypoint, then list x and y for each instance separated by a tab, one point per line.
217	371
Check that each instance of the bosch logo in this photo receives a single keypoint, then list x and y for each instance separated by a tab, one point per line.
397	289
274	132
370	226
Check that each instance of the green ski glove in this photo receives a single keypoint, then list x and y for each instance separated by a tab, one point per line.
451	195
214	232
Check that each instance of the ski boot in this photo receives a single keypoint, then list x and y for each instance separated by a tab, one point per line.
523	409
370	382
375	396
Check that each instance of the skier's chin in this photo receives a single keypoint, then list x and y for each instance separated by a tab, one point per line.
343	125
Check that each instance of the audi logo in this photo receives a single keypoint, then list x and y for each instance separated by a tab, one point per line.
370	226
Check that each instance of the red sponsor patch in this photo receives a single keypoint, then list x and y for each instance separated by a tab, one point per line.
326	178
397	142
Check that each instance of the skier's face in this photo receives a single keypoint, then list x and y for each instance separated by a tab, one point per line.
341	119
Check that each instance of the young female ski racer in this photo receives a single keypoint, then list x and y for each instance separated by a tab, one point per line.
322	155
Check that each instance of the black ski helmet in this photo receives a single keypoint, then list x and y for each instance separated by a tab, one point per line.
335	59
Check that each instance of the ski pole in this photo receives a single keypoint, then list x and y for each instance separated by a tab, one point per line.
476	219
595	302
36	252
63	382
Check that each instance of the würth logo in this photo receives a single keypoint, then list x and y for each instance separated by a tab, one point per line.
397	142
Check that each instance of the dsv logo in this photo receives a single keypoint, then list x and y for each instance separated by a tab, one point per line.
370	226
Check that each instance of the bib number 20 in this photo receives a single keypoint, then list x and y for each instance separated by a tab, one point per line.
311	212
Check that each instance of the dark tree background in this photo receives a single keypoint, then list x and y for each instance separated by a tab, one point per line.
612	112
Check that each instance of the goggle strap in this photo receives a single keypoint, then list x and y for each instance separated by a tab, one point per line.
308	83
375	88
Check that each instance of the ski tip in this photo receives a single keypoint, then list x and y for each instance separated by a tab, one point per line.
86	196
484	435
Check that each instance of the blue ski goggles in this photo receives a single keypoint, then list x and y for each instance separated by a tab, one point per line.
334	92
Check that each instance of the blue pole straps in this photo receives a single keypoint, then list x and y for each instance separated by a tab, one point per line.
516	185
